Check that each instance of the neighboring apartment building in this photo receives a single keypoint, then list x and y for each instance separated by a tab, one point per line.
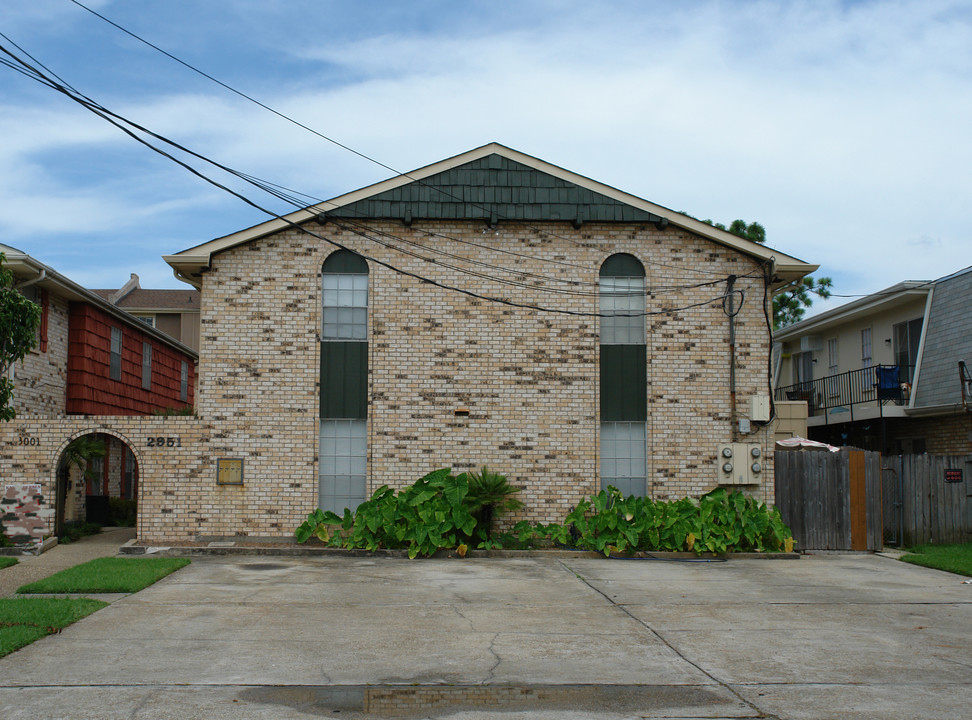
489	309
92	359
174	312
882	372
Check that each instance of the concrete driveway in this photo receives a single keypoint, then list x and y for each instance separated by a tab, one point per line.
850	636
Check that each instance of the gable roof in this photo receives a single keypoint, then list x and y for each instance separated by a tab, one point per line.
29	271
150	300
491	183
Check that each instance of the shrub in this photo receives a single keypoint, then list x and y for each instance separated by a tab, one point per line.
718	522
445	511
424	517
76	530
489	498
122	512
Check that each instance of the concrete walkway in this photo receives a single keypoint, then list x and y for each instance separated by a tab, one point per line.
849	636
31	568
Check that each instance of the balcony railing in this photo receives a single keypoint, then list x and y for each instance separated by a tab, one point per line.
878	385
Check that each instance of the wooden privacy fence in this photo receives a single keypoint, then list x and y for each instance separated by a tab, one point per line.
831	500
926	499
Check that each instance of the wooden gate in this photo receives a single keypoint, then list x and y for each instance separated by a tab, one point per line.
927	499
831	501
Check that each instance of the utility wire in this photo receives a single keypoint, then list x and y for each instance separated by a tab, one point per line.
291	196
129	128
339	144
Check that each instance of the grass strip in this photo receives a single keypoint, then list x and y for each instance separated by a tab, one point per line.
952	558
107	575
7	561
24	620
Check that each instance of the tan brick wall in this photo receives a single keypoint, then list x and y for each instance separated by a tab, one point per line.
40	378
173	479
529	379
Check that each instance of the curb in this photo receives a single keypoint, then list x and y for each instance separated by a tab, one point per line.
223	549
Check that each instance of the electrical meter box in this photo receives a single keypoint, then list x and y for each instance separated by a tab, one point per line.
759	408
739	464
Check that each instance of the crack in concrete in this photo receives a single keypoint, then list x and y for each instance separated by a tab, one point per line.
728	687
140	706
491	673
458	612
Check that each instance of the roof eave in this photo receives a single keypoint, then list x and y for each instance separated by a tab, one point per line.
856	308
190	264
66	287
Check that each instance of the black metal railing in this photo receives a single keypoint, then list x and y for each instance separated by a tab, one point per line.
878	384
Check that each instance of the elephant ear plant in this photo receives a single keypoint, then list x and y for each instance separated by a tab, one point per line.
424	517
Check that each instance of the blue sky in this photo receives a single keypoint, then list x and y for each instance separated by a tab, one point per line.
842	127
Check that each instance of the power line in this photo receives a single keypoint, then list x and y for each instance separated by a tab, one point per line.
290	196
129	128
339	144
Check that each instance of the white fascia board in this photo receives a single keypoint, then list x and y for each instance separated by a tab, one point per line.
875	302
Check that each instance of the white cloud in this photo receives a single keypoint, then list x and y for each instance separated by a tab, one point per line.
840	126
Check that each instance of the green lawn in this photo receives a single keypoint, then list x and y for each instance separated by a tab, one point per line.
954	558
6	561
24	620
107	575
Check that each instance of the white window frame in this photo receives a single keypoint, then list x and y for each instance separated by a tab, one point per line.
146	366
115	354
344	315
624	456
184	382
343	464
867	359
833	366
622	310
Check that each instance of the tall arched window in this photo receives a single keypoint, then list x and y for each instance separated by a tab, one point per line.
342	478
623	370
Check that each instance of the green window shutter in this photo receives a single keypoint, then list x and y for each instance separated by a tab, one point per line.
624	387
344	380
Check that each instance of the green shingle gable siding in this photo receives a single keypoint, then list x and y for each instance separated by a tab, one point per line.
493	186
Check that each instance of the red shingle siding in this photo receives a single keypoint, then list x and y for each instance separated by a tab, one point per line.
89	389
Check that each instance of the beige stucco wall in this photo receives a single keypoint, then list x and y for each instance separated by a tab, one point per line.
848	335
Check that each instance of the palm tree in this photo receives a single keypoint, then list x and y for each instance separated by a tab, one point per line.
489	497
81	450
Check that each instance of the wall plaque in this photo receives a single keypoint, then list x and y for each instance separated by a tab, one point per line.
953	475
229	471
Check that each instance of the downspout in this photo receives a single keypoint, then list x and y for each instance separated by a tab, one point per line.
32	281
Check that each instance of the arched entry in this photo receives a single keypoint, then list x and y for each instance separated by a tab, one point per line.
96	480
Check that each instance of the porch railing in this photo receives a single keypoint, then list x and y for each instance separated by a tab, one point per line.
878	385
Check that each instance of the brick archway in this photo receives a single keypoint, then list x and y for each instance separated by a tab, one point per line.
78	498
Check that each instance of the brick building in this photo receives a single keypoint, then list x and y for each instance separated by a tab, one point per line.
174	312
90	359
489	309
